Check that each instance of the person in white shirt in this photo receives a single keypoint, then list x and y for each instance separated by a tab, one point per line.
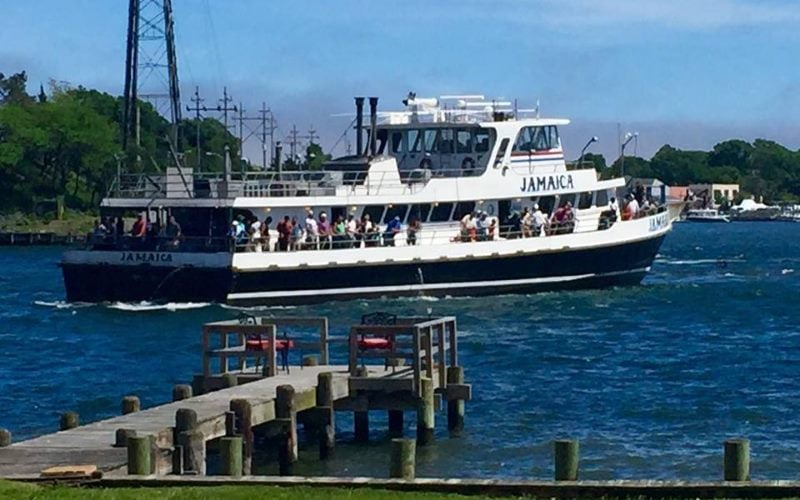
614	207
312	231
527	222
633	207
351	229
538	221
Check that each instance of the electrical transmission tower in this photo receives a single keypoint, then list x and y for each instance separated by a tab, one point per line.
151	67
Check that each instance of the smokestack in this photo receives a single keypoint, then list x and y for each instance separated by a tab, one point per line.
359	126
373	123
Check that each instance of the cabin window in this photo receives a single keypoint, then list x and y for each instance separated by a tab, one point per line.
554	142
602	198
463	208
482	141
537	139
463	141
393	211
501	153
420	212
585	200
375	212
441	212
546	204
397	142
446	142
524	140
431	136
382	136
414	141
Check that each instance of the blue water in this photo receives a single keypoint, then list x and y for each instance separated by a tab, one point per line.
651	379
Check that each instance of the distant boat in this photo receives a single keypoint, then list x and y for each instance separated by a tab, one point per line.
706	215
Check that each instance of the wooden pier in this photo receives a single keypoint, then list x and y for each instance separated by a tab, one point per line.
245	391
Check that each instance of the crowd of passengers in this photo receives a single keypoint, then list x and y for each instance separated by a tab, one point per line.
167	237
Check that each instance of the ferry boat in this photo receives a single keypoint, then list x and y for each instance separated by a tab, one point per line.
465	173
706	215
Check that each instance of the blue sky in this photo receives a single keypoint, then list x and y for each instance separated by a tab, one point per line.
684	72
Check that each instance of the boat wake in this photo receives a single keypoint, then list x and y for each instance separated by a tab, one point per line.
148	306
60	304
787	271
693	262
254	308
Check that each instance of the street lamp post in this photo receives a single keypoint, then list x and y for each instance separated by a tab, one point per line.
583	151
628	138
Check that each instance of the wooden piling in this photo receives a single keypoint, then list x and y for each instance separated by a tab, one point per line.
229	380
737	460
287	416
455	407
361	426
402	463
231	456
190	440
69	420
425	413
139	455
193	445
326	427
396	423
566	456
5	438
181	392
121	437
244	428
177	460
310	360
130	404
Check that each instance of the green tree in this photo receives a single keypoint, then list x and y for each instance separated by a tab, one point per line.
13	89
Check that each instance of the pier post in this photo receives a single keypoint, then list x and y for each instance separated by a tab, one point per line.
244	428
229	380
310	360
231	456
5	438
425	414
737	460
69	420
139	455
402	464
130	404
565	452
396	423
455	407
191	441
122	436
326	427
181	392
285	413
361	418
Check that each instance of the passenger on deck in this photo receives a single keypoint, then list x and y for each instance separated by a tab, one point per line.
633	207
414	226
297	235
481	227
265	236
392	228
284	229
467	227
351	230
527	222
100	230
512	227
366	230
139	229
492	228
339	233
538	221
614	207
173	232
325	231
562	220
254	233
312	231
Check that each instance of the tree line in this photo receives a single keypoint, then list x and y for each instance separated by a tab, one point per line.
762	168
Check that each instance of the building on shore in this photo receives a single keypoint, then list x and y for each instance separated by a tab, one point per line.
716	193
653	188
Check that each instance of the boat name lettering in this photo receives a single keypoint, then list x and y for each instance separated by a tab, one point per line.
541	183
659	221
145	257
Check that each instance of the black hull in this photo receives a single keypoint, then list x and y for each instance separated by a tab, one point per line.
110	283
619	265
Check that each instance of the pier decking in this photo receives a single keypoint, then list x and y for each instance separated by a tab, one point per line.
261	397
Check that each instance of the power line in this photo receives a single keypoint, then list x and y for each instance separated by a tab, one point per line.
197	100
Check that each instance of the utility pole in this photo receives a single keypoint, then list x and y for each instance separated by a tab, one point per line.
224	108
241	130
267	118
196	100
312	135
293	141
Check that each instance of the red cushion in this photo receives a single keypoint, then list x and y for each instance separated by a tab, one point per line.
374	343
263	344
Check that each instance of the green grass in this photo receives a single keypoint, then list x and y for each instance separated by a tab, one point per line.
12	491
73	223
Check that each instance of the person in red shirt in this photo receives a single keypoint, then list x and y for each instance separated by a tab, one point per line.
284	229
139	227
